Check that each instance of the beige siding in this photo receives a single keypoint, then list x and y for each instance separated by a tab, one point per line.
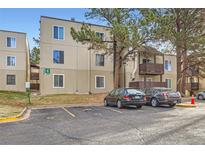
20	80
75	81
21	52
79	66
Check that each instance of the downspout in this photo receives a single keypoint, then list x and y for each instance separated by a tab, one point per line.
27	60
89	74
77	71
134	69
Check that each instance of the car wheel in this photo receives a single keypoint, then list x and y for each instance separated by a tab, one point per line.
200	97
105	103
154	102
119	104
139	106
172	105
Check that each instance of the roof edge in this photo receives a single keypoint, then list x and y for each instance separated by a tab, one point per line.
80	22
12	31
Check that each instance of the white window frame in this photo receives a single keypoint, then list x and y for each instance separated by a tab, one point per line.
53	32
7	61
103	60
168	65
147	80
170	80
7	80
102	33
96	82
63	57
63	82
15	42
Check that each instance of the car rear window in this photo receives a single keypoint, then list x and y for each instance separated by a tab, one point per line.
132	91
164	90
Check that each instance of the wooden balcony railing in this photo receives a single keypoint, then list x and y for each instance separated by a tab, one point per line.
151	69
34	76
141	84
35	86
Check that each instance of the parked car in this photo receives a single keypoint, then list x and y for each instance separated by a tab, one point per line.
125	97
201	95
159	95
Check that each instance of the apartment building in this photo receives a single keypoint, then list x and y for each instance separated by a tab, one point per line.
69	67
153	70
14	60
194	82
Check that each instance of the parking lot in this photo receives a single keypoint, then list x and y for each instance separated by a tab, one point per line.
108	125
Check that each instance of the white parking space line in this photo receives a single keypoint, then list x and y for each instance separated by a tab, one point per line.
112	109
71	114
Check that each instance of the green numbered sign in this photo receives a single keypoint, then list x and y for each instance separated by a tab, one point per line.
46	71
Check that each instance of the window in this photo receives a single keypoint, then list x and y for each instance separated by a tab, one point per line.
99	82
58	32
169	83
145	61
99	61
149	79
11	80
11	42
100	35
168	65
58	57
58	81
11	61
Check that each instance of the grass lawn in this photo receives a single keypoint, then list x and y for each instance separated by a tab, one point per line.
20	99
8	110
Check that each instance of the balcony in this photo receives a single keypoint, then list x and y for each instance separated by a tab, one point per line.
35	86
141	84
34	76
193	86
151	69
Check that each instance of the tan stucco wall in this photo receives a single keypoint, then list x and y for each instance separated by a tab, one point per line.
78	61
201	84
21	52
75	81
20	80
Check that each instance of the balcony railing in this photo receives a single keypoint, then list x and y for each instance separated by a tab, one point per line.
34	76
35	86
151	69
141	84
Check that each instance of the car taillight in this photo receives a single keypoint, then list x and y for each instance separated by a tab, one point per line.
126	98
164	94
145	99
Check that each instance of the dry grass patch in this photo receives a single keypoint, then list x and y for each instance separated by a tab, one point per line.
68	99
21	99
9	111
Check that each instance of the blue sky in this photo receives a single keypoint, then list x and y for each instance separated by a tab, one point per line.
27	20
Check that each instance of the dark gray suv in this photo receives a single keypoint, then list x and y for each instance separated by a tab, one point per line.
159	95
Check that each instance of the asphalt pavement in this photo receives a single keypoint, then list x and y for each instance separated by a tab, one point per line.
108	125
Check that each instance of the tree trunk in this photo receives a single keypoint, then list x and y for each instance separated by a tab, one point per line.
117	70
179	52
183	83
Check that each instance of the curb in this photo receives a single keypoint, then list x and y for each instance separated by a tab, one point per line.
186	105
14	118
63	105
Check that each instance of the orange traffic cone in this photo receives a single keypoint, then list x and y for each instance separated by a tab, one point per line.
192	100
